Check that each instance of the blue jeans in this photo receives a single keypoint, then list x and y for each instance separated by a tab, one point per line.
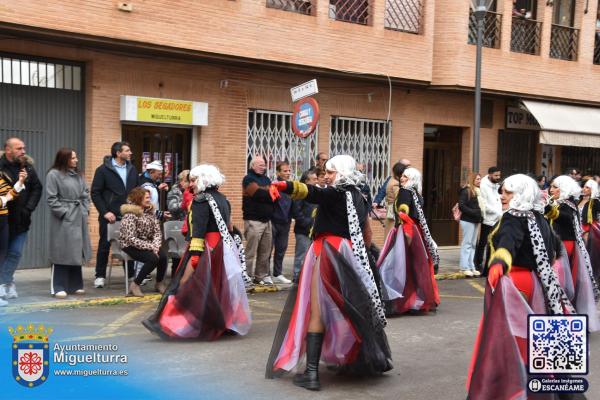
13	256
302	244
468	245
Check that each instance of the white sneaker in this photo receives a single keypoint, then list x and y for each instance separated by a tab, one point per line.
467	272
3	303
99	283
11	291
267	280
476	273
61	295
2	291
281	279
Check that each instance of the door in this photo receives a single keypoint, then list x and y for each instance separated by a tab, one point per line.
441	181
169	145
43	104
516	152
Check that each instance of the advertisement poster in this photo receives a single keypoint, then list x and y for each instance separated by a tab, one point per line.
145	159
168	172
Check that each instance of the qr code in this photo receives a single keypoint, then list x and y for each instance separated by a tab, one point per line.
558	344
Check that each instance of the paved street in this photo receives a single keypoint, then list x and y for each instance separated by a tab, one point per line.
431	354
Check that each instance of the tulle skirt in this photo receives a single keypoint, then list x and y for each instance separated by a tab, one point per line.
351	339
593	246
581	292
211	302
406	271
499	363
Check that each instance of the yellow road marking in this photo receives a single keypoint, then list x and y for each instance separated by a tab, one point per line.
477	286
456	296
111	329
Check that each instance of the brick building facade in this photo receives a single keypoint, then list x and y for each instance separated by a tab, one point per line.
241	57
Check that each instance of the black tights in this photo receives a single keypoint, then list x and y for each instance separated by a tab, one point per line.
150	260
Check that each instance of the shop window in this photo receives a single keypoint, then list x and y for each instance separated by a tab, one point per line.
492	24
368	141
526	30
356	11
487	113
298	6
404	15
270	135
586	159
564	37
40	74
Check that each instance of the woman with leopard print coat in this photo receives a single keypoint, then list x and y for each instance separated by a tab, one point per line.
334	313
521	281
140	237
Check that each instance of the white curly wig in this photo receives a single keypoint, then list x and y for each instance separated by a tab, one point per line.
414	179
347	174
526	193
593	185
207	176
568	187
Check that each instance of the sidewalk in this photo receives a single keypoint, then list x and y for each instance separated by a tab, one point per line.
33	286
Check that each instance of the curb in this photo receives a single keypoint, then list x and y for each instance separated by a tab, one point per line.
66	304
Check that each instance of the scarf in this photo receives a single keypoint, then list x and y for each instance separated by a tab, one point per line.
556	297
582	249
360	253
429	242
226	236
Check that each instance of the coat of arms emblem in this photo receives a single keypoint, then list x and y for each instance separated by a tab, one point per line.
30	354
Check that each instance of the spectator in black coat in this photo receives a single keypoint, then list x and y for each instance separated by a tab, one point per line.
113	180
471	216
304	216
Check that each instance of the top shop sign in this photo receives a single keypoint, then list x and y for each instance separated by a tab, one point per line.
306	89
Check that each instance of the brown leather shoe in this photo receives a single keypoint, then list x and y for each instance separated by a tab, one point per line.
135	290
160	287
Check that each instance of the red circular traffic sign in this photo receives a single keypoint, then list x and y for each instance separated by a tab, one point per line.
305	117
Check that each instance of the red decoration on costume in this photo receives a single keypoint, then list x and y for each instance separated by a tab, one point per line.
274	192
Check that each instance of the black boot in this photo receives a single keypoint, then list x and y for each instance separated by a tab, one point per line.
310	378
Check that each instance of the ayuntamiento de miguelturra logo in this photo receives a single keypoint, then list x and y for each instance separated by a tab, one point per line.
30	354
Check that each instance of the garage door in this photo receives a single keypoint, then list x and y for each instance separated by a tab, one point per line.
43	104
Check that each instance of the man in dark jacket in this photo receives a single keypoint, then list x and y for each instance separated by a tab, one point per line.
19	210
257	209
113	180
304	216
281	221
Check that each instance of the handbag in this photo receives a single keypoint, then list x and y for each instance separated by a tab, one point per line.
456	213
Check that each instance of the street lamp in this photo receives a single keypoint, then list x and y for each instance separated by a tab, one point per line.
480	9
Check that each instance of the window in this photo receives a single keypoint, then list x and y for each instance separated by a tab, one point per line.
526	32
564	37
357	11
404	15
42	74
492	23
270	135
368	141
298	6
597	38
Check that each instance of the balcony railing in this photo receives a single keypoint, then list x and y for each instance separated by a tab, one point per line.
298	6
404	15
563	42
356	11
525	36
597	49
492	23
